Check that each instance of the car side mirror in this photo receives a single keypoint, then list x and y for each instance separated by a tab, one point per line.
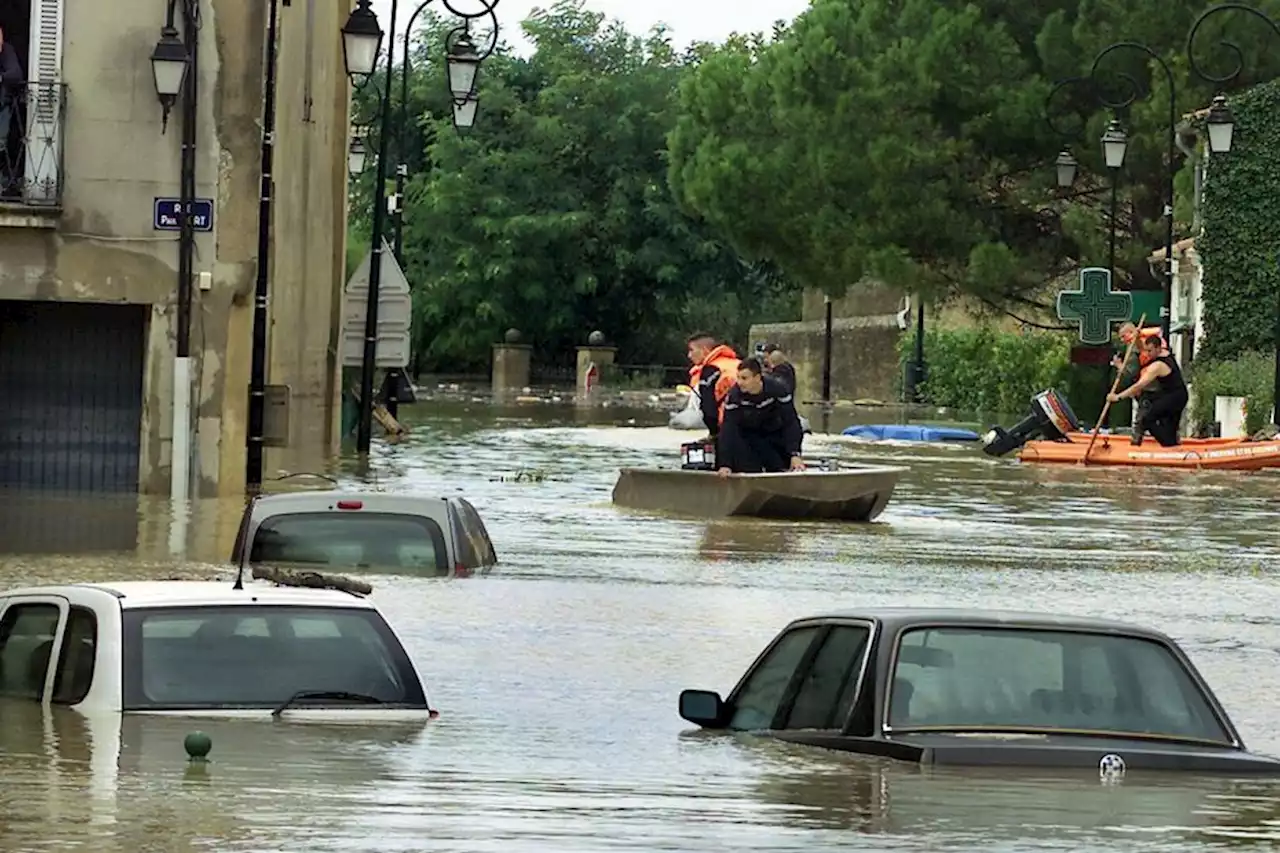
702	708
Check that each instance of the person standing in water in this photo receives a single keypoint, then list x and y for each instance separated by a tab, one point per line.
1165	392
761	430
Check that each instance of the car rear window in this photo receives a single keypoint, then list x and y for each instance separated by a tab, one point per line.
976	678
375	540
259	656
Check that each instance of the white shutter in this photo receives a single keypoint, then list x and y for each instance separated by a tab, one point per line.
45	111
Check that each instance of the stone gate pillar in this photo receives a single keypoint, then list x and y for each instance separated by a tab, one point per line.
511	361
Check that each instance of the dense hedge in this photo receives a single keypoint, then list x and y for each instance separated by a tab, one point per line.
1251	376
1240	246
983	371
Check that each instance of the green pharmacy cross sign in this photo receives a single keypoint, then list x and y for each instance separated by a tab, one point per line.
1095	306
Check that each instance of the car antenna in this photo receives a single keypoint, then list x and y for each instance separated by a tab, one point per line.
244	544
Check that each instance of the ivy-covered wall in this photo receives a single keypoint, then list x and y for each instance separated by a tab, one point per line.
1240	246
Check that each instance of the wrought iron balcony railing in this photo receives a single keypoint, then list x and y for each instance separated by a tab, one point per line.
32	118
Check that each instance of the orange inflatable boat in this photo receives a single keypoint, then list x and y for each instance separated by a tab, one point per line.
1227	454
1052	433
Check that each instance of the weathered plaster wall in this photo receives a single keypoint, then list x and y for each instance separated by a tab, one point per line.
310	226
864	361
117	161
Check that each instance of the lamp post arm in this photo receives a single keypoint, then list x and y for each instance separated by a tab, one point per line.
1172	130
1237	55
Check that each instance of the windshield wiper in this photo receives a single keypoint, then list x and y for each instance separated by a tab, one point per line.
326	694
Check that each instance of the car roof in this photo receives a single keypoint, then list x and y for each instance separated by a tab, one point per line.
136	594
906	617
310	501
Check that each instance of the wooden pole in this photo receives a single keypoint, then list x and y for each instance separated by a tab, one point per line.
1106	407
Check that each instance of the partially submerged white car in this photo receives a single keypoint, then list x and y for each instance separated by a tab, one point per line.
206	648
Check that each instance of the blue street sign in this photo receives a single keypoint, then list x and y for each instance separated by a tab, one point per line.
167	213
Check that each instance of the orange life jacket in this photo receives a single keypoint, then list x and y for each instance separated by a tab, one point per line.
1147	332
724	358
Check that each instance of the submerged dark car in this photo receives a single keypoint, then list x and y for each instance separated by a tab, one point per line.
973	687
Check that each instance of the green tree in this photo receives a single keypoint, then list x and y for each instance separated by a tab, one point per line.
554	216
909	140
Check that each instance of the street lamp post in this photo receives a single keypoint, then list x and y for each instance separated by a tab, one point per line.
1117	146
174	69
361	42
1114	145
1221	130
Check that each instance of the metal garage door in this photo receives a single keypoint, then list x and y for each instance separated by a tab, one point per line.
70	395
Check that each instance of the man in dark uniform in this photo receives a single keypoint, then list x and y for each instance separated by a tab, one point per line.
777	366
1165	391
761	430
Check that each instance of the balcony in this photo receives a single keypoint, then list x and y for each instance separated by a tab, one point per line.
32	117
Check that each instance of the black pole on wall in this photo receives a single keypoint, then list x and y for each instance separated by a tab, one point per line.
826	364
258	365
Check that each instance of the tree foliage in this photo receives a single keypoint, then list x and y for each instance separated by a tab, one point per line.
910	140
553	215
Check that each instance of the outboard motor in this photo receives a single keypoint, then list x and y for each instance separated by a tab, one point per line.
1051	418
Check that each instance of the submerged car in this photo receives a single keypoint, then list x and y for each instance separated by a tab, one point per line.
206	648
365	530
972	687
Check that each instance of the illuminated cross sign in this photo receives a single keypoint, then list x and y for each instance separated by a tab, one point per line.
1095	306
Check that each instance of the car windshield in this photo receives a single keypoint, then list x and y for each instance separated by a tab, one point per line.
375	540
1022	679
260	655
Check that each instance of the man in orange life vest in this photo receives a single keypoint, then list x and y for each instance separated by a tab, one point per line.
714	372
1127	331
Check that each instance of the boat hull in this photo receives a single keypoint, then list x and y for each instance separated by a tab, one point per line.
856	494
1226	454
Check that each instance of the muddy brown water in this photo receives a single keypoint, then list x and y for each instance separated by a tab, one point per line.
557	674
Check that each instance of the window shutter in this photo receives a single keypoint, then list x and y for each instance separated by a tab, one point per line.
45	109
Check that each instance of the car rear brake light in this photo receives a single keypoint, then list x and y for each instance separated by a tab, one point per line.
350	504
461	571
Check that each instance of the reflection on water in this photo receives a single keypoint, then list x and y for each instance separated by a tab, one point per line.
557	674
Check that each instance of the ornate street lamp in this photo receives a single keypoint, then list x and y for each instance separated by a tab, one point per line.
464	67
356	155
1066	166
362	38
1222	125
361	41
464	112
169	68
1114	145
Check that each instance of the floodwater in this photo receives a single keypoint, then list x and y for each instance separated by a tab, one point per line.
556	675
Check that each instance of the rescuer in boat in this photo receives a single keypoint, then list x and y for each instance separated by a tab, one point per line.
1165	393
715	369
1127	332
777	366
761	430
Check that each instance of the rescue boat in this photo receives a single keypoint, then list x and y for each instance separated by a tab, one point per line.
826	491
1051	433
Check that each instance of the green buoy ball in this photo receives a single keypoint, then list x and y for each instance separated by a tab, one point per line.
197	745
